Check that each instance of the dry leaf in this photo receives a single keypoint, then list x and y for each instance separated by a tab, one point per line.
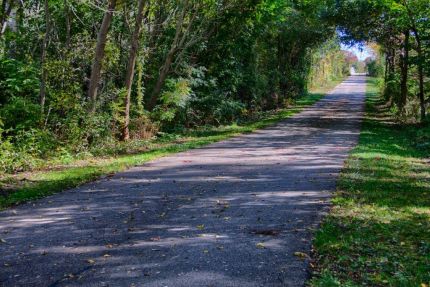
201	227
301	255
260	245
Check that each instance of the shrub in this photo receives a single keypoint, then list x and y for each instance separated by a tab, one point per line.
20	113
17	79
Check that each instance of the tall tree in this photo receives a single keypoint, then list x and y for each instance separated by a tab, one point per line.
5	10
164	70
99	54
404	70
419	48
42	92
68	23
131	67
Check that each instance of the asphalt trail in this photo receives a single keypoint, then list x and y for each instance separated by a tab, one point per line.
229	214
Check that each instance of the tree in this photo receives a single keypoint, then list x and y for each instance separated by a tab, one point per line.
414	25
131	67
42	93
5	10
199	63
99	54
398	26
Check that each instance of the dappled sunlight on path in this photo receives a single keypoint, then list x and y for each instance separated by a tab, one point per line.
229	214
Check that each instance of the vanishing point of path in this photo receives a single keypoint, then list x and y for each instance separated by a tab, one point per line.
229	214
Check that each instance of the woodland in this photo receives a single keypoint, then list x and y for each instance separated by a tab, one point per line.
92	87
81	78
86	78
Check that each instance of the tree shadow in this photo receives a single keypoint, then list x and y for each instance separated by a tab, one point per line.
190	219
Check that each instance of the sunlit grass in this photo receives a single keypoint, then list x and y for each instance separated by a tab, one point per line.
378	232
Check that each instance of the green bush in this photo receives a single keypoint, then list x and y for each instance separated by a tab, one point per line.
228	111
374	68
17	79
20	113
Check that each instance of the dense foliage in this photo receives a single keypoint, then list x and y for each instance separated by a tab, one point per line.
401	28
82	78
77	76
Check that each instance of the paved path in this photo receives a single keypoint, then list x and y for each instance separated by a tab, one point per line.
230	214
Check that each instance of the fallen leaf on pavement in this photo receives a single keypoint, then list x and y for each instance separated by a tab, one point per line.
201	227
301	255
260	245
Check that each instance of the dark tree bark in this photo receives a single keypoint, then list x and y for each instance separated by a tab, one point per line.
5	10
99	55
42	92
68	23
131	67
421	59
390	76
386	68
421	77
404	73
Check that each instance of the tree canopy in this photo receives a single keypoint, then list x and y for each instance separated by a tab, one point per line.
76	75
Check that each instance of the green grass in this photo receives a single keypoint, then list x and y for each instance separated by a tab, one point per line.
378	231
16	189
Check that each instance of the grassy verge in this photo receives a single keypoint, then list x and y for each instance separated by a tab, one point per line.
378	231
18	188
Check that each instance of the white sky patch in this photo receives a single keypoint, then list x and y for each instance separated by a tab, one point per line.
360	50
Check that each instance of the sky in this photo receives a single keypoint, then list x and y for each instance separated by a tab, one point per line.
360	50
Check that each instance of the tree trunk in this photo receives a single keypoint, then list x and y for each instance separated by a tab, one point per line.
421	83
164	71
420	75
130	69
161	79
2	12
392	64
404	73
99	55
4	15
68	24
389	93
386	68
421	59
42	92
139	93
